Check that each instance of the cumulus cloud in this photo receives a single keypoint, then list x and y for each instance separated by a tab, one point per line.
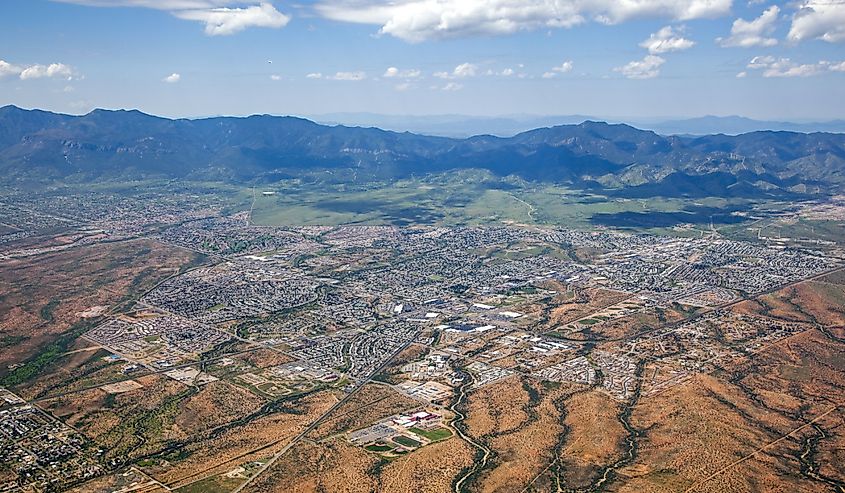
275	77
42	71
314	75
421	20
819	19
172	78
462	71
563	68
36	71
7	69
761	62
753	33
666	40
394	73
154	4
452	86
221	17
647	68
351	76
784	67
223	21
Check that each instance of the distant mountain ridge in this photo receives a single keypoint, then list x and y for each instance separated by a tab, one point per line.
104	144
736	125
462	126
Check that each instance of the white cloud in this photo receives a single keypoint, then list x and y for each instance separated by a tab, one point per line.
39	71
666	40
753	33
465	70
761	62
7	69
393	72
223	21
563	68
275	77
507	72
452	86
42	71
154	4
172	78
784	67
314	75
462	71
221	17
351	76
647	68
819	19
404	86
421	20
742	75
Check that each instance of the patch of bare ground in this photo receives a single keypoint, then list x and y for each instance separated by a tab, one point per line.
837	277
370	404
215	404
807	369
809	301
82	367
165	416
430	469
775	305
241	441
7	475
127	425
569	306
829	453
525	452
594	436
635	324
825	302
801	377
43	298
334	466
266	358
708	435
497	408
124	481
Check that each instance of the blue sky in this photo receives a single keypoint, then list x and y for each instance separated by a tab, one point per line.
635	59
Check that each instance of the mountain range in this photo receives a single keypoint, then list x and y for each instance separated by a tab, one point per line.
38	146
462	126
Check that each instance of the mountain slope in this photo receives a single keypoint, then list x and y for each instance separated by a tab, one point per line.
111	144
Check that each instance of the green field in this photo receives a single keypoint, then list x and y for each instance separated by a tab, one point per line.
434	435
474	197
406	441
378	448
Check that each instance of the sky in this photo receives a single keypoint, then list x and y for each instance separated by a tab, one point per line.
634	59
